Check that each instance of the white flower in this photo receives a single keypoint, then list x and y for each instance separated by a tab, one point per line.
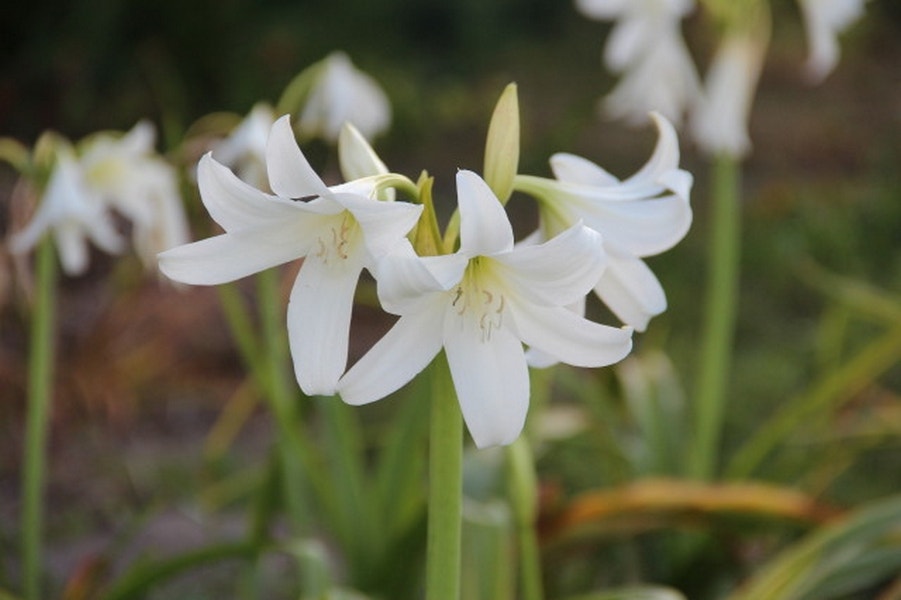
73	213
662	80
824	20
641	216
719	121
342	93
244	150
130	177
338	230
647	48
481	305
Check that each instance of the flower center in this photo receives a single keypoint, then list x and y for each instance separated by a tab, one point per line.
337	241
478	300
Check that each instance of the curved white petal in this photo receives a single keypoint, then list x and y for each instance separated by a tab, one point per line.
491	379
570	338
665	157
290	175
405	281
484	226
319	314
539	359
631	290
557	272
576	169
234	204
407	348
643	227
234	255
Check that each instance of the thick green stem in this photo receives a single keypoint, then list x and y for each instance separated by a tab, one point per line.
40	378
719	325
445	488
523	493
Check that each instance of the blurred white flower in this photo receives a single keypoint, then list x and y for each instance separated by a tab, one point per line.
338	231
131	178
824	20
342	93
73	213
244	150
481	305
641	216
719	120
647	48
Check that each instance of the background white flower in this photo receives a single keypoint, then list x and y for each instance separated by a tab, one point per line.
719	120
244	150
646	46
73	213
342	93
131	178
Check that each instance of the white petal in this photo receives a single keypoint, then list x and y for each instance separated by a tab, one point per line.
642	227
384	223
319	322
484	226
290	175
234	255
356	157
719	121
72	248
665	157
570	338
539	359
407	348
557	272
602	9
491	379
575	169
234	204
631	290
405	281
627	40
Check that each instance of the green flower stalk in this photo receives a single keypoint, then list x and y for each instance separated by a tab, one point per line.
40	379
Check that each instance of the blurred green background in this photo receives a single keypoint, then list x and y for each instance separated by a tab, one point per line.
822	186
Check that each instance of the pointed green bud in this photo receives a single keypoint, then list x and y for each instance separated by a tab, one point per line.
502	145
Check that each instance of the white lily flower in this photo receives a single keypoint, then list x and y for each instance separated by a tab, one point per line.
338	231
73	213
824	20
641	216
133	179
481	305
342	93
244	150
719	121
646	46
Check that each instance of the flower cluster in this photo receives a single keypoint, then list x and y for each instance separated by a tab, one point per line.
107	173
647	49
490	303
